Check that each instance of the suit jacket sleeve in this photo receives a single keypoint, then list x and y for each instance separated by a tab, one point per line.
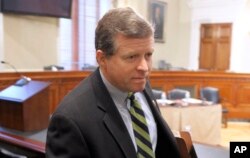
60	134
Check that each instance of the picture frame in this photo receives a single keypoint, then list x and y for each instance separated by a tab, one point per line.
157	12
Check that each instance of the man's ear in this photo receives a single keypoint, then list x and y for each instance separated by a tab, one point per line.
100	57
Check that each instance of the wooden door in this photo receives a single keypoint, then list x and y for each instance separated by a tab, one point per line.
215	44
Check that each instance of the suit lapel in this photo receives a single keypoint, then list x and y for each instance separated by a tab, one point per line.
166	140
151	101
156	111
112	119
121	136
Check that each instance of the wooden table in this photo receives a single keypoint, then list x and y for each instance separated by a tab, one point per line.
26	107
203	121
29	144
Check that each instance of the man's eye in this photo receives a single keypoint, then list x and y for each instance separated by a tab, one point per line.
148	55
131	57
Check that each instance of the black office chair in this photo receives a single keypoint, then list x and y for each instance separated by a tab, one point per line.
212	94
175	94
159	94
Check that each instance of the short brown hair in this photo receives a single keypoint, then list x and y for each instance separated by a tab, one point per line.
123	21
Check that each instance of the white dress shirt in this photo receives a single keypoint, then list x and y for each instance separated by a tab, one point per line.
123	104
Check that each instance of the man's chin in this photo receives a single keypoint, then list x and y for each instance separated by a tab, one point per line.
139	88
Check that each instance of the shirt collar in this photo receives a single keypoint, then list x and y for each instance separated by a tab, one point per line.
115	93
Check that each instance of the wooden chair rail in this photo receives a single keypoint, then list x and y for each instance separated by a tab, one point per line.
23	142
234	87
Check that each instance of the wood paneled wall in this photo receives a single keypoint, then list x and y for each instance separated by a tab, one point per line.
61	82
234	87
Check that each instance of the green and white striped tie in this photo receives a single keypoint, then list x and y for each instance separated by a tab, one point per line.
140	128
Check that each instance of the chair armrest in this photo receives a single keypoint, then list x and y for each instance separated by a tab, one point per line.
185	145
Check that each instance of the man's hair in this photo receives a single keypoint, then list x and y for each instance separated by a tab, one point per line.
124	21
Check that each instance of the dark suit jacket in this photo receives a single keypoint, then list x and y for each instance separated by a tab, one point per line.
87	124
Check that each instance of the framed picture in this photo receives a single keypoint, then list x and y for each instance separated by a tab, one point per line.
157	12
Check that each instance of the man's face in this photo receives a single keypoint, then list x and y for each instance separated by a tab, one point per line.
129	67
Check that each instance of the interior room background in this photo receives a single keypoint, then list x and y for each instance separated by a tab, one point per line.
31	42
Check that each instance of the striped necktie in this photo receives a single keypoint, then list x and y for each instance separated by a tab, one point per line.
140	128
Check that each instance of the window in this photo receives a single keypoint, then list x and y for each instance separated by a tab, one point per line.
76	43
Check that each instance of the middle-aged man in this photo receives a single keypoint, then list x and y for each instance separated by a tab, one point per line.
110	114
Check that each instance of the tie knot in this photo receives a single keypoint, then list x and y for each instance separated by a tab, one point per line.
131	96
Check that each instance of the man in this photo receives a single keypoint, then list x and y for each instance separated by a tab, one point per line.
94	120
158	22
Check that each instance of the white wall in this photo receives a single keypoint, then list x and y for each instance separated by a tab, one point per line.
182	24
228	11
241	40
33	43
1	40
182	30
29	42
170	49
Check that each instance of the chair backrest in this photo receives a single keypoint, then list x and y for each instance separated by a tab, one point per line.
178	94
210	94
185	145
159	94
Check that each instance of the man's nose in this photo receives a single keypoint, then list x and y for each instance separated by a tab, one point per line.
143	65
